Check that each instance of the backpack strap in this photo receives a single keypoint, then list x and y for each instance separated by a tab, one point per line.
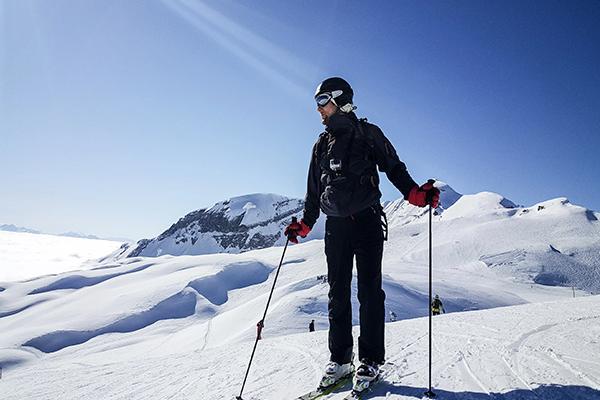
365	132
322	141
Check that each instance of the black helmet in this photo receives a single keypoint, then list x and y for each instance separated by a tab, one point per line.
342	100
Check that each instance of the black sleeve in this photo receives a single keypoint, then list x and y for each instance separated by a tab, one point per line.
388	162
313	189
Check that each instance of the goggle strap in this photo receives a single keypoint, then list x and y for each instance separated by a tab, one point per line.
347	108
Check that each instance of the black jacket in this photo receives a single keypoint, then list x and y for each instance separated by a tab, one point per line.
343	177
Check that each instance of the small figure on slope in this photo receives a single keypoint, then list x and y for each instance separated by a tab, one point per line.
437	306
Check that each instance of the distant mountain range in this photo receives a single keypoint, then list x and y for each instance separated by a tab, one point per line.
252	222
257	221
14	228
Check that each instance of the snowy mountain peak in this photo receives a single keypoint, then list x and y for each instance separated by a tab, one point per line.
239	224
448	196
479	204
561	206
255	208
400	212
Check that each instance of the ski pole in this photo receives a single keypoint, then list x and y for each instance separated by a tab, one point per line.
430	393
264	315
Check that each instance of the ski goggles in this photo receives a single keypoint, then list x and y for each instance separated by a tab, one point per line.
324	98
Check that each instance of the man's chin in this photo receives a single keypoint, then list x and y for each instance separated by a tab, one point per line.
324	119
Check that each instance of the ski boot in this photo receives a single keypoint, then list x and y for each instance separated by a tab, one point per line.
335	372
366	373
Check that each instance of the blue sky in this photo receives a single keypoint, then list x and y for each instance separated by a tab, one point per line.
118	117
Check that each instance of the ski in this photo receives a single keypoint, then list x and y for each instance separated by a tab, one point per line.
384	372
359	394
320	392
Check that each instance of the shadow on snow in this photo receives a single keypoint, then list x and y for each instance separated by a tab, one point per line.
546	392
213	288
79	281
180	305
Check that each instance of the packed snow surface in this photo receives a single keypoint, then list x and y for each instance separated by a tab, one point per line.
535	351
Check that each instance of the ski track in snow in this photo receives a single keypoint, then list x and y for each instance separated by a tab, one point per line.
517	376
579	374
469	372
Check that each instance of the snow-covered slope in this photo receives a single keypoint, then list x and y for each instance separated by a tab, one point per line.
179	327
239	224
544	351
28	255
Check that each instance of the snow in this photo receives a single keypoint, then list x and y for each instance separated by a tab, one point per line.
206	244
27	255
256	207
400	212
232	226
541	350
184	326
477	205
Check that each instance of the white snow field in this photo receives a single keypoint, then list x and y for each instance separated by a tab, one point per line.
27	255
183	327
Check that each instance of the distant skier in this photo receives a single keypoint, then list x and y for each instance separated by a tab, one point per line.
259	327
437	306
392	316
343	182
311	326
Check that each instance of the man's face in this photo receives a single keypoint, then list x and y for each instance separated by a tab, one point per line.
327	111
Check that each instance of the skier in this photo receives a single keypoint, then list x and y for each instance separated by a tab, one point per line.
392	316
311	326
343	182
436	305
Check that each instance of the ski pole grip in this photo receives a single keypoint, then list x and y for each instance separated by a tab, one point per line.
290	235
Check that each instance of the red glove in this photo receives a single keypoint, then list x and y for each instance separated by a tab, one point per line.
296	229
424	195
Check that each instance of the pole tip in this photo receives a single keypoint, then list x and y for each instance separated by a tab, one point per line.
429	394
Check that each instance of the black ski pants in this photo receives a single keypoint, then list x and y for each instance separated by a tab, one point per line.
360	236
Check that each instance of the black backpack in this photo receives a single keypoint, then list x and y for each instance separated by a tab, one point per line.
361	169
